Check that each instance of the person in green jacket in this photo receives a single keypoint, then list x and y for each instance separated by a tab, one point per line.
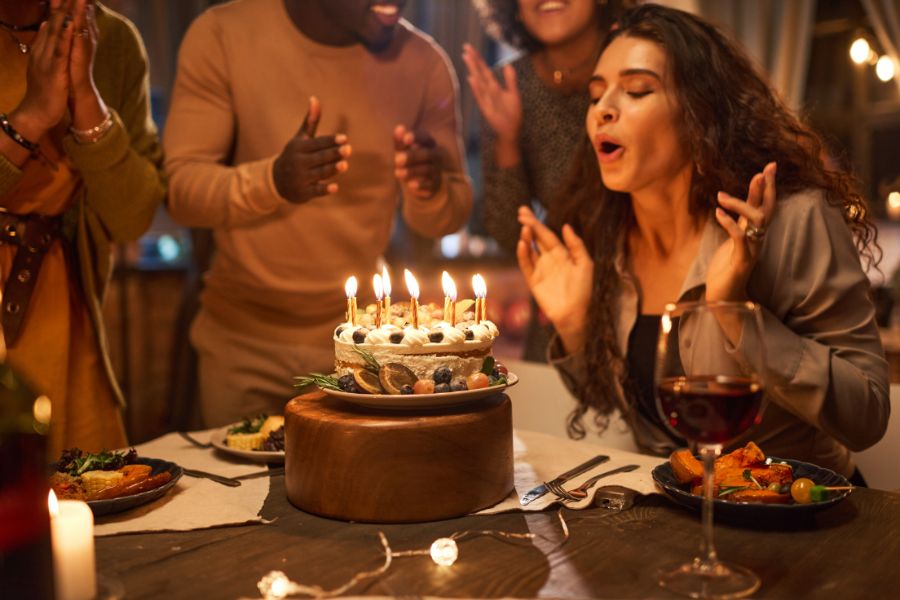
79	170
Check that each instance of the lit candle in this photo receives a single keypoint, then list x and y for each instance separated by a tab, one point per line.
480	289
386	284
72	531
444	277
449	298
379	293
350	289
413	286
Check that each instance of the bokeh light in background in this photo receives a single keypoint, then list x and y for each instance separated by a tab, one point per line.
860	50
884	68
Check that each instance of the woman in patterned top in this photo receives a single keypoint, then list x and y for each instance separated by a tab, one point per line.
533	120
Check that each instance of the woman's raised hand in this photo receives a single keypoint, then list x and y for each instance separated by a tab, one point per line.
560	275
84	47
734	260
47	76
501	107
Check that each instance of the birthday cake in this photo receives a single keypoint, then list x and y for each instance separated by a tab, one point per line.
451	356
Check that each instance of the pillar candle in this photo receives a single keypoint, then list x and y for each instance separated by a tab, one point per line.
72	531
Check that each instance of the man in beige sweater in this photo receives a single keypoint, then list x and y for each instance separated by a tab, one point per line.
296	128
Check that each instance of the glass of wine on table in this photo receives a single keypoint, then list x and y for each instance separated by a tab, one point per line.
709	389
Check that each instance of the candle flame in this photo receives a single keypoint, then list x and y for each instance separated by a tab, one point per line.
386	281
52	504
411	284
350	286
479	286
379	288
449	285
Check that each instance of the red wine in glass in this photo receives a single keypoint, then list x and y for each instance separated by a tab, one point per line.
710	409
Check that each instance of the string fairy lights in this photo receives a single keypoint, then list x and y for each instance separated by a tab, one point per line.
276	585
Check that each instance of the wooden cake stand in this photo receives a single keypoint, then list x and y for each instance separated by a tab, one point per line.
357	464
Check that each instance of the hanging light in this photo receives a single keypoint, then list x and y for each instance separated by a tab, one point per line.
884	68
893	206
859	50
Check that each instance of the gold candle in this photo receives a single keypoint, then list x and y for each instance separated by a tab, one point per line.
379	293
386	284
350	290
480	289
449	298
413	287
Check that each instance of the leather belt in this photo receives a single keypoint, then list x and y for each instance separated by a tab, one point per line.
34	234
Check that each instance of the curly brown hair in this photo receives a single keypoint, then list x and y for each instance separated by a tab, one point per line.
733	124
500	19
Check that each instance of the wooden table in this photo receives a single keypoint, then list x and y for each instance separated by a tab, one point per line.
847	551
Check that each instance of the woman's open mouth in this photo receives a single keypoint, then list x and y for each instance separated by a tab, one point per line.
608	150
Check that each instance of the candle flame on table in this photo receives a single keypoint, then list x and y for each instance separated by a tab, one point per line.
52	504
379	294
480	288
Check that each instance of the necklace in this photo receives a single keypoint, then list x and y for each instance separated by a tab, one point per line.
23	47
561	74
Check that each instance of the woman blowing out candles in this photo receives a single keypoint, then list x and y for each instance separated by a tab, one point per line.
79	170
696	182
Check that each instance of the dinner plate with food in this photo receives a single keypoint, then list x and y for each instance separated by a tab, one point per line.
112	482
259	438
748	484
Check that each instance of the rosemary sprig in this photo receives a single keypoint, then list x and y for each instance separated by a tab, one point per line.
369	358
731	490
323	381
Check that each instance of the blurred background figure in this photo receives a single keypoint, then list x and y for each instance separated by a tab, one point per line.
298	203
79	170
533	109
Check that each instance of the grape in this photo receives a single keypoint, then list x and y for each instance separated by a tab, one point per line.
801	490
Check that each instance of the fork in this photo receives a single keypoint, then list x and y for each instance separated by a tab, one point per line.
581	492
193	441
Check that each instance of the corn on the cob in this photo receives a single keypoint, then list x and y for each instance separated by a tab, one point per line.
94	481
271	424
245	441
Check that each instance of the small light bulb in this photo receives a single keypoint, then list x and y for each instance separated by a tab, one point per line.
274	586
859	50
444	551
884	68
893	205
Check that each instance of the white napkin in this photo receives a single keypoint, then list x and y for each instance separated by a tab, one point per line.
193	503
540	457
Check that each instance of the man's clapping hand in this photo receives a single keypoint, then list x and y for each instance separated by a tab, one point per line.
308	160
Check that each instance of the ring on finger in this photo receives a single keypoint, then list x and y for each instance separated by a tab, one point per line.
754	233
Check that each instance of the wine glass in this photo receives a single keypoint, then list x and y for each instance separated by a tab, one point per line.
709	388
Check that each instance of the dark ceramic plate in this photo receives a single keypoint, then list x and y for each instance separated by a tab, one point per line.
665	479
116	505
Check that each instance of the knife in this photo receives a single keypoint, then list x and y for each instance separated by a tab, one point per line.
542	489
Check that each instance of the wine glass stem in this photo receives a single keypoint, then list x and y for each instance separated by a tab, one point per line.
708	559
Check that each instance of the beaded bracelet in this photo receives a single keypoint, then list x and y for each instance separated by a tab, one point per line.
7	127
94	134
